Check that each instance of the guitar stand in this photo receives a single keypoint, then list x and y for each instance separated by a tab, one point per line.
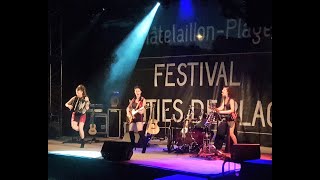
170	143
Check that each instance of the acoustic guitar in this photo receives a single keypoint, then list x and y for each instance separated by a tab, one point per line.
93	128
185	127
153	127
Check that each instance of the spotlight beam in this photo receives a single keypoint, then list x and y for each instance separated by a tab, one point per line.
127	54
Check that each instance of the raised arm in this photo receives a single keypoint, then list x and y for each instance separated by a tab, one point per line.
69	103
87	102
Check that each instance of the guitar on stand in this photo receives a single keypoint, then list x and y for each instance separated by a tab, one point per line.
93	128
153	127
186	122
184	142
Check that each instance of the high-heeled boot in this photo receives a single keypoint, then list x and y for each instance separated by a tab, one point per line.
132	139
82	143
143	141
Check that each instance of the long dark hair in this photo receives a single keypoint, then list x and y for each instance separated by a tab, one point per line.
230	91
137	87
83	89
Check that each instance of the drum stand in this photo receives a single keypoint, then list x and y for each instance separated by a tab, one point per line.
208	150
207	147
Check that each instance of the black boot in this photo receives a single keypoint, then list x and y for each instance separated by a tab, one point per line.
82	143
132	139
143	141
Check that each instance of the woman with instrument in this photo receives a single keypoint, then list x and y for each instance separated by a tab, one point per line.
225	110
135	113
79	104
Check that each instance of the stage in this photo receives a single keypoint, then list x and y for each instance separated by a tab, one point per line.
65	158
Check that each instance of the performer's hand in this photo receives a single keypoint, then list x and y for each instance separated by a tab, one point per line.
86	99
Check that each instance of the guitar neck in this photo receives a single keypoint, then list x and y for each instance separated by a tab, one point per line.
92	117
152	112
150	115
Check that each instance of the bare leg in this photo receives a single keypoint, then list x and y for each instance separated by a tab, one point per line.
74	125
231	133
81	132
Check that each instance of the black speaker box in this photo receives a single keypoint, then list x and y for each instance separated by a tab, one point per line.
243	152
117	151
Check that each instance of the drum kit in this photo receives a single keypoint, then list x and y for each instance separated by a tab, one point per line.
195	135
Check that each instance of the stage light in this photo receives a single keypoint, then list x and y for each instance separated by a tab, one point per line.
127	54
186	11
200	37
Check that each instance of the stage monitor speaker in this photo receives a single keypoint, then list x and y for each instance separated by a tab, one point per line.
117	150
243	152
